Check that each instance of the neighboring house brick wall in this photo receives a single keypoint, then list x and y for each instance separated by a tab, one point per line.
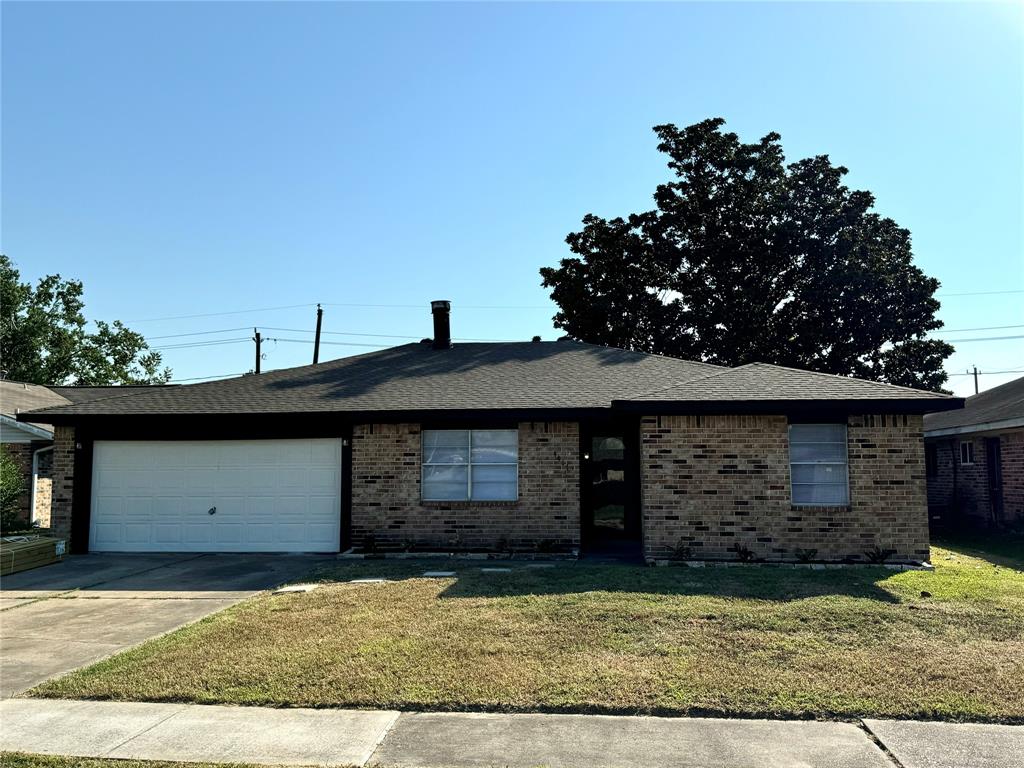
63	481
940	486
386	493
963	490
1012	447
712	482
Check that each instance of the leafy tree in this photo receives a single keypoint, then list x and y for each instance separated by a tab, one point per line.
12	485
43	337
747	258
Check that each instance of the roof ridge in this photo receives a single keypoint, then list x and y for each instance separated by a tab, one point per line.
850	378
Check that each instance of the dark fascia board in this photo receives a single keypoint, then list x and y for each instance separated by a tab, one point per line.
151	426
787	407
328	424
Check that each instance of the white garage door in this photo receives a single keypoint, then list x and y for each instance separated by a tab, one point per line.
216	496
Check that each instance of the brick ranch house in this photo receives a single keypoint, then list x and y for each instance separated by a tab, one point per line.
543	445
975	461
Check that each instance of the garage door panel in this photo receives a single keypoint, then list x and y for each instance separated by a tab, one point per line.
271	495
323	480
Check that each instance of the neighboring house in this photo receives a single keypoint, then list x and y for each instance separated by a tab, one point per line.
975	460
31	444
540	445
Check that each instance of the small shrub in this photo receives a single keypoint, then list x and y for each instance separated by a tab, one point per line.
409	545
369	543
547	546
502	544
682	551
806	555
743	553
878	555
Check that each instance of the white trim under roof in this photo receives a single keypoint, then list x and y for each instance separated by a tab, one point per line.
37	432
988	426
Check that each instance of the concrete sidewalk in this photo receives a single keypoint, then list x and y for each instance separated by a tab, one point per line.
194	733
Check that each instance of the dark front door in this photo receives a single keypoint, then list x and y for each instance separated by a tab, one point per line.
994	459
610	513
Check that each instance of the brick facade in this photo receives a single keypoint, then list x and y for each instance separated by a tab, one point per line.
714	482
63	481
386	499
959	493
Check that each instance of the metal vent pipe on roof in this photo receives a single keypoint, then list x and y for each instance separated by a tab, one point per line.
442	324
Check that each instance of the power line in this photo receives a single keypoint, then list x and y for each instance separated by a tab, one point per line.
983	373
980	293
206	378
332	343
219	314
327	304
191	344
987	328
984	338
376	335
197	333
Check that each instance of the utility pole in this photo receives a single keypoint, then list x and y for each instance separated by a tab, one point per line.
256	338
316	341
975	379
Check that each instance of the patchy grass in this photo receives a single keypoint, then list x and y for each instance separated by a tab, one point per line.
740	642
24	760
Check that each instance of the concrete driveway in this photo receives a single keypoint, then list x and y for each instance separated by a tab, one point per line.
64	616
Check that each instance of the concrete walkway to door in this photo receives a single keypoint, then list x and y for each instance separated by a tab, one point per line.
64	616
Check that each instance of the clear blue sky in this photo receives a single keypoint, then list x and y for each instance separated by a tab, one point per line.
190	158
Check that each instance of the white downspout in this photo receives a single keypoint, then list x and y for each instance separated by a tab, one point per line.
35	477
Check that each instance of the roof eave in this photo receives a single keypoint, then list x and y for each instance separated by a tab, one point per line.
982	426
786	406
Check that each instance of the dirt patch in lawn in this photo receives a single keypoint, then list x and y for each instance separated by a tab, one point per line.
947	644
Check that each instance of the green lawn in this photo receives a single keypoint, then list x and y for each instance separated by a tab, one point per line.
754	641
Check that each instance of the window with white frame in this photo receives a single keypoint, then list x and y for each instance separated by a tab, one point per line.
470	464
967	453
817	457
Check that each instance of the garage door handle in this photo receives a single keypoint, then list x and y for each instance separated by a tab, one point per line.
212	511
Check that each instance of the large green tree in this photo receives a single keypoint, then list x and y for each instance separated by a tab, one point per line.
747	258
44	337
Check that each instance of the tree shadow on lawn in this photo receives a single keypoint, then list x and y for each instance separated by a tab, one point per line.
747	582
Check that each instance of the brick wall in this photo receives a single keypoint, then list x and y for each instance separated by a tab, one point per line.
712	482
63	481
1012	447
967	501
386	493
940	486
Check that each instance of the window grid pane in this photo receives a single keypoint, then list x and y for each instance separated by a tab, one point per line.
818	464
461	465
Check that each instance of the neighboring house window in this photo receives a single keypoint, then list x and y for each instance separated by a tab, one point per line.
931	460
967	453
465	464
817	456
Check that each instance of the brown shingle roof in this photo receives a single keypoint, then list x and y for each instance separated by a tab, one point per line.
506	376
761	381
1000	403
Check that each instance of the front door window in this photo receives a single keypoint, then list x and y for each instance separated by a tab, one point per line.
608	485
